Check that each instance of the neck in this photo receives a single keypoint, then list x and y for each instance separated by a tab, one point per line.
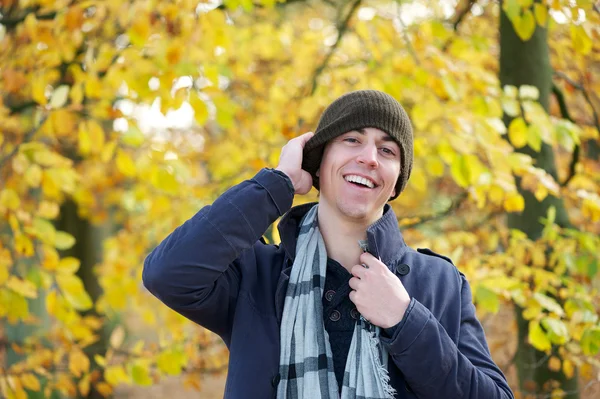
341	236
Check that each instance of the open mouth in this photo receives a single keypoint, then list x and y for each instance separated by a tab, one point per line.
360	181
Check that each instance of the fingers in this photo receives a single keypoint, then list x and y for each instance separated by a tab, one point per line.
371	261
358	271
304	138
354	283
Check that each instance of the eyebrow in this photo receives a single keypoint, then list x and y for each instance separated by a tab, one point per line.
387	137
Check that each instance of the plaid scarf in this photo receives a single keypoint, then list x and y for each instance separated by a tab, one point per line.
306	362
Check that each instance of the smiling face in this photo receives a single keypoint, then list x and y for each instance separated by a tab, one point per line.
358	174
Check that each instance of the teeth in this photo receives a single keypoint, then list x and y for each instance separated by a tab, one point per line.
360	180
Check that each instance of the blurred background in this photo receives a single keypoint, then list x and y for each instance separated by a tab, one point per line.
120	120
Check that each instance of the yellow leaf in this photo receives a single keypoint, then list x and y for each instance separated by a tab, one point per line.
64	240
460	171
534	137
3	271
580	39
78	362
48	210
30	382
77	94
537	337
115	375
141	375
73	291
170	362
554	363
517	132
84	141
23	245
59	96
93	88
568	368
100	361
541	14
163	180
525	25
200	109
108	151
23	287
42	229
9	199
96	135
117	337
84	385
38	89
33	176
514	202
435	166
418	180
125	163
68	265
104	389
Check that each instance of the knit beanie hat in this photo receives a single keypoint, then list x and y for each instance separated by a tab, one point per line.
358	110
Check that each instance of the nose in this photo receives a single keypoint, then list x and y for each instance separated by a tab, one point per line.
368	156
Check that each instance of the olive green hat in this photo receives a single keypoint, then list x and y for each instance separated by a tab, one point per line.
358	110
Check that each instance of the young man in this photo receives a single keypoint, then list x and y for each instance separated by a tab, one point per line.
342	307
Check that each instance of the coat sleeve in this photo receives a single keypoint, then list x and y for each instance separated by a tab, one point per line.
434	366
197	269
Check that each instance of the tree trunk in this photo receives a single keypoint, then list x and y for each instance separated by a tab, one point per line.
529	63
88	249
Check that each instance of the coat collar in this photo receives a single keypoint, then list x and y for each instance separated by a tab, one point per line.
384	237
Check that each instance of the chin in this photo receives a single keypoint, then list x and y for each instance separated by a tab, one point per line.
355	211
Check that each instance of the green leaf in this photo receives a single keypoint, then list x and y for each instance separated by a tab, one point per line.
487	299
538	338
534	138
556	330
512	8
63	240
590	341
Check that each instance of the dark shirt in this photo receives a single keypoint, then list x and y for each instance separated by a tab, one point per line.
339	315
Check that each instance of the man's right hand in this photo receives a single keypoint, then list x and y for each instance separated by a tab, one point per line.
290	163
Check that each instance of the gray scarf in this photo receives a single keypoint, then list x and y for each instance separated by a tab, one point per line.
306	362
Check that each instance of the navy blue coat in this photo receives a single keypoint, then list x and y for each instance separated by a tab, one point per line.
216	271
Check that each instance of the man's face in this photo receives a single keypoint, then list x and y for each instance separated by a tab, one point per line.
358	174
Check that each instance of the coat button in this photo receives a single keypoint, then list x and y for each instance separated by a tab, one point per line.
329	295
335	316
276	379
354	314
403	269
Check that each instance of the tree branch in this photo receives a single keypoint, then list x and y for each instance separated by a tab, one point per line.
411	50
456	203
586	96
342	27
564	111
28	136
462	14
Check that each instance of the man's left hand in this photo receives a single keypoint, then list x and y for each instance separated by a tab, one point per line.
377	293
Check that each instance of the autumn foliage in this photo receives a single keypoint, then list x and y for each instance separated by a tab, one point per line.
138	113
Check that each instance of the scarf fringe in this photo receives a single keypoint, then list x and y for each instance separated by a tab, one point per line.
381	370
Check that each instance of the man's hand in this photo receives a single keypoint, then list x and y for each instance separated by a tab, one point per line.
377	293
290	163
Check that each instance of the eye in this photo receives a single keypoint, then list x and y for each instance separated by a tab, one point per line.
388	151
351	140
